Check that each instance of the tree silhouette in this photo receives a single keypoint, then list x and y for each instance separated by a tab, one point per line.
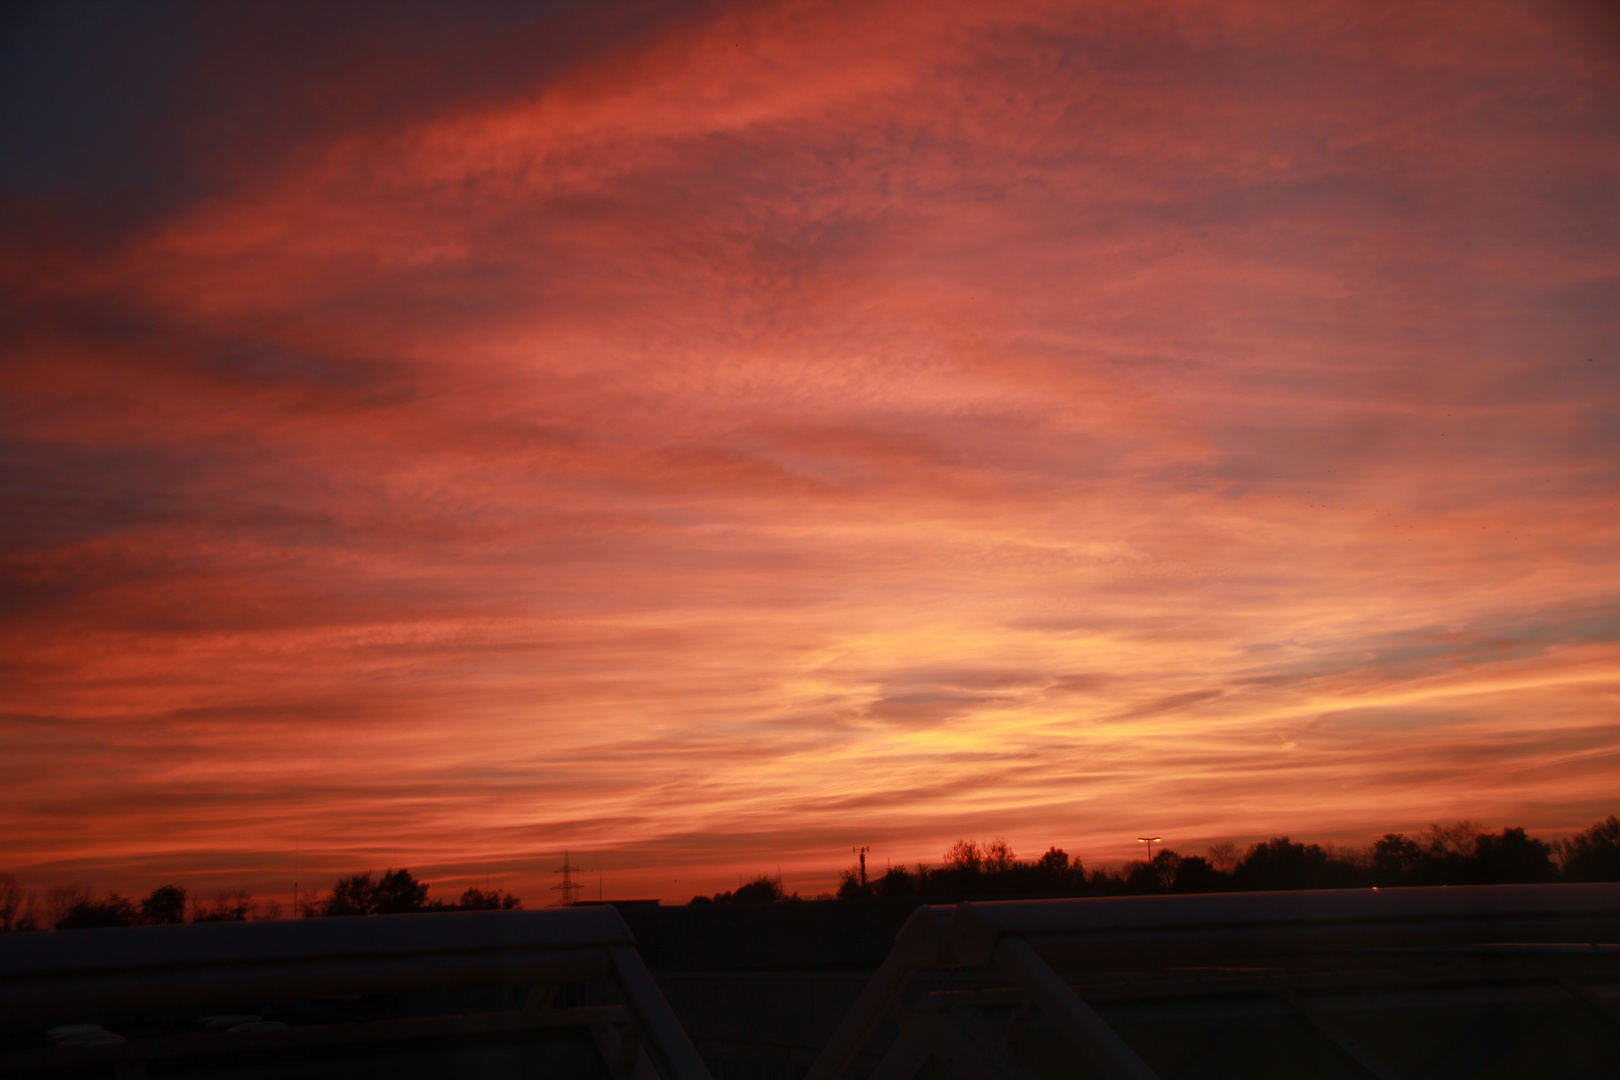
16	906
898	881
1512	858
1454	839
1455	854
1195	874
1224	857
163	905
1055	871
1395	858
398	893
1593	855
1281	864
392	894
964	856
1155	876
352	895
762	890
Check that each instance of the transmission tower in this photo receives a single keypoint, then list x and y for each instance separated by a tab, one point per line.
568	885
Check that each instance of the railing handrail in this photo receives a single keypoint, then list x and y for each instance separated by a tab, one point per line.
224	944
1551	901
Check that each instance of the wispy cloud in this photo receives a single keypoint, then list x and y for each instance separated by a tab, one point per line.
748	431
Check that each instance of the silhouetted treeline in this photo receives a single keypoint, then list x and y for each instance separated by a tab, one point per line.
762	890
970	869
1457	854
75	908
398	893
1441	855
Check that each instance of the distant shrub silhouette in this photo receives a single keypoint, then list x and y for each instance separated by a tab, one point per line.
115	910
764	889
494	900
78	909
231	905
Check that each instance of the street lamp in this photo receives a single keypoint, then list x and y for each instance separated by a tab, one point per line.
1149	841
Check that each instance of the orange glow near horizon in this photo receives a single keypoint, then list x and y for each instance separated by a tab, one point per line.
764	430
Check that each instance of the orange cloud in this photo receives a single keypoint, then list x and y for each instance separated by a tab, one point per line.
785	427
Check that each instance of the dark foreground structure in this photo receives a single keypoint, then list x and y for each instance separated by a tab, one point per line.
1478	982
1485	981
559	994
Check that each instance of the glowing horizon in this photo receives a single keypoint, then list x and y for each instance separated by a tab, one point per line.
705	438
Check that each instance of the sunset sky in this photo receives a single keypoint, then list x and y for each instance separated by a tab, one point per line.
707	437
